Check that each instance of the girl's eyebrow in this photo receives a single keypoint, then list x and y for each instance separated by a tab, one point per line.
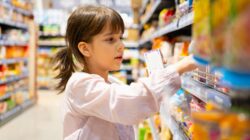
110	33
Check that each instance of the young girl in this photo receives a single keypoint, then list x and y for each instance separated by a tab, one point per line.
96	106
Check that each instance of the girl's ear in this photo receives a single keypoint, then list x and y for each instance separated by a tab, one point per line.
84	48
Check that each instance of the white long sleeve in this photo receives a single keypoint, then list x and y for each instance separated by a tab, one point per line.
88	95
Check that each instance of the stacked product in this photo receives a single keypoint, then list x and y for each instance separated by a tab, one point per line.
51	38
15	92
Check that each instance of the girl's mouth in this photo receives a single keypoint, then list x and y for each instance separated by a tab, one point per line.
118	58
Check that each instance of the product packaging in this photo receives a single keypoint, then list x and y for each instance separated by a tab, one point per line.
202	32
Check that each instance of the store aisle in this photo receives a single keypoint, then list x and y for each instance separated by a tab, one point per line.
40	122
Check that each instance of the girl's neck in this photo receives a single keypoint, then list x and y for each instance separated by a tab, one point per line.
103	74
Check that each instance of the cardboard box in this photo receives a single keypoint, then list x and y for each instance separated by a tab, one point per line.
133	35
136	16
136	4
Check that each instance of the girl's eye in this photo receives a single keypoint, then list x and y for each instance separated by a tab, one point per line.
110	39
121	38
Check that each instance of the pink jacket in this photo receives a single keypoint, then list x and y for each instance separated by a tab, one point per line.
96	110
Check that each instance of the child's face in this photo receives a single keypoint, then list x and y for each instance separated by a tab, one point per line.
107	50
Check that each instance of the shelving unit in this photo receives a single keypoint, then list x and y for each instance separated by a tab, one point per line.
174	127
49	44
175	27
131	44
149	15
179	24
124	67
46	75
17	9
50	35
13	60
202	93
205	93
13	79
17	61
4	118
153	129
6	96
13	24
13	43
52	28
154	10
144	5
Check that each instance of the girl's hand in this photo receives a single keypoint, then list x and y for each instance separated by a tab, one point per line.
185	65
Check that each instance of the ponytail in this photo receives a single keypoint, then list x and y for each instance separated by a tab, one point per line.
64	63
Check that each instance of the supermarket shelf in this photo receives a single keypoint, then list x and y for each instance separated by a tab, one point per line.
13	79
205	93
45	88
175	128
234	79
46	54
6	96
13	60
133	26
13	43
141	58
22	11
144	6
43	78
15	111
150	14
153	129
4	118
184	21
13	24
50	35
131	44
124	67
27	104
130	77
51	43
19	10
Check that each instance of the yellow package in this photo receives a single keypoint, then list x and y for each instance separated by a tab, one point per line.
219	15
201	30
206	126
237	52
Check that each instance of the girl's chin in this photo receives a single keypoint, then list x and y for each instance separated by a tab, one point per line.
116	68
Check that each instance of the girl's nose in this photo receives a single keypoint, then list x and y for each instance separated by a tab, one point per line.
121	46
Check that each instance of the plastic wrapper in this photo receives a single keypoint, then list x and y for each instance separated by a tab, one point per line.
220	126
219	20
237	52
202	32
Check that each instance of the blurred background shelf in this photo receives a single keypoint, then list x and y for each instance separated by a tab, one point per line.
6	117
174	26
174	127
13	60
13	78
205	93
13	24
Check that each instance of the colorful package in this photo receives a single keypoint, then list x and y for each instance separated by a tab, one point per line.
202	31
219	16
237	52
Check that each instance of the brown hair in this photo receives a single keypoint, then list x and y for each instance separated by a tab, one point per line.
83	24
